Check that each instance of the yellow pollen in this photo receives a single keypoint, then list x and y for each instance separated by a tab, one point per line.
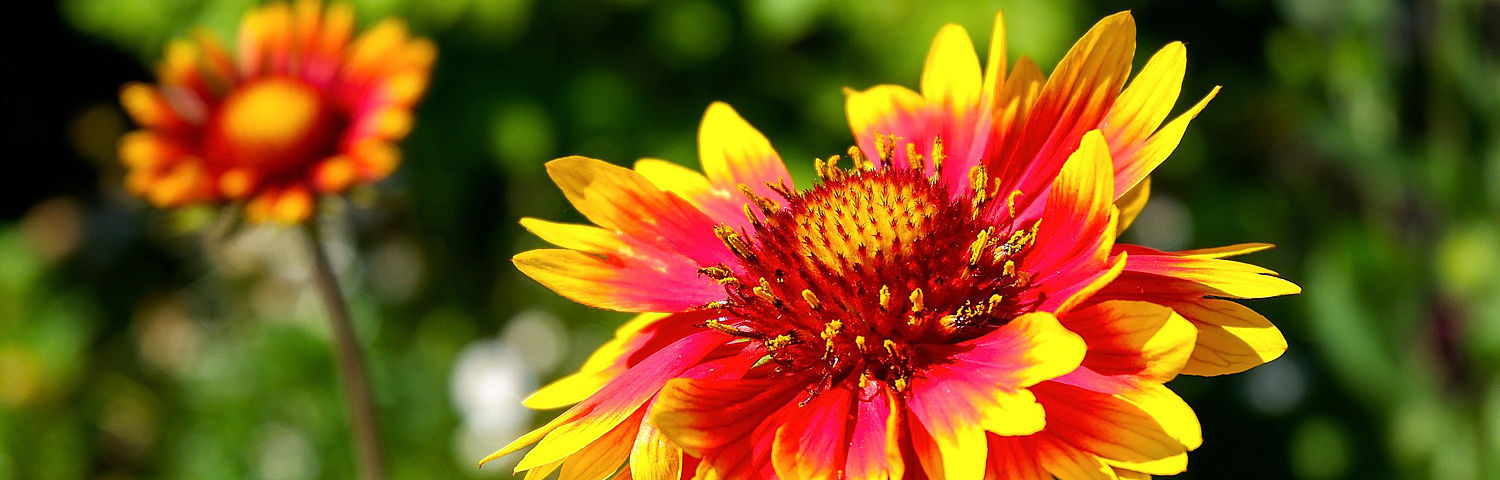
949	323
886	144
831	169
722	327
715	272
1011	202
994	302
766	205
812	300
782	189
885	297
736	244
860	162
916	300
764	291
913	160
779	342
859	341
980	241
833	329
979	182
937	154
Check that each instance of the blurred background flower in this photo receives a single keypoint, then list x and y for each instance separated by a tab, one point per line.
1363	138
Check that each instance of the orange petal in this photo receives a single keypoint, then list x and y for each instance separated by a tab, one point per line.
1077	226
874	436
608	362
1014	458
983	384
620	199
723	205
700	415
1112	428
814	443
602	412
654	457
149	108
1226	278
884	110
1013	105
1070	463
949	450
734	153
627	284
1073	102
584	238
601	458
1141	339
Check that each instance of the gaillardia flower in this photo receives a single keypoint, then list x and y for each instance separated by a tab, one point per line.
297	110
951	304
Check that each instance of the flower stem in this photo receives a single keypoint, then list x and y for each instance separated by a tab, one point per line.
351	363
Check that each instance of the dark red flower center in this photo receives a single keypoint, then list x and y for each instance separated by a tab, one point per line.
275	126
850	278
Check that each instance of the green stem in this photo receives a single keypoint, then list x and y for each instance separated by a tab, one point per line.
351	363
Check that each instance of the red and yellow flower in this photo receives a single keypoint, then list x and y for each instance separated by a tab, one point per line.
953	305
298	110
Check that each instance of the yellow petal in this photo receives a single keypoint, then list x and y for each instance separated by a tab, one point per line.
1014	414
1225	251
994	66
681	180
654	457
1069	463
1130	171
1131	204
952	76
1171	412
572	236
1147	100
1232	338
735	153
602	457
605	364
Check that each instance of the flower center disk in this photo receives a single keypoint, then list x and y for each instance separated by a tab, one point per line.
277	126
852	278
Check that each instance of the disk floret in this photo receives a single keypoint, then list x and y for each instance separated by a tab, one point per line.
852	278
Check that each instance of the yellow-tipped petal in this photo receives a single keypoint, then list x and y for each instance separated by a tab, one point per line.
734	153
952	76
1131	204
1148	99
994	66
1140	163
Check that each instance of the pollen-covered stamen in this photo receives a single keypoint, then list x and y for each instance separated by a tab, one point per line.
848	280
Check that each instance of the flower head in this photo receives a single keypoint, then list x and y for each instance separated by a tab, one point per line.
949	303
299	109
